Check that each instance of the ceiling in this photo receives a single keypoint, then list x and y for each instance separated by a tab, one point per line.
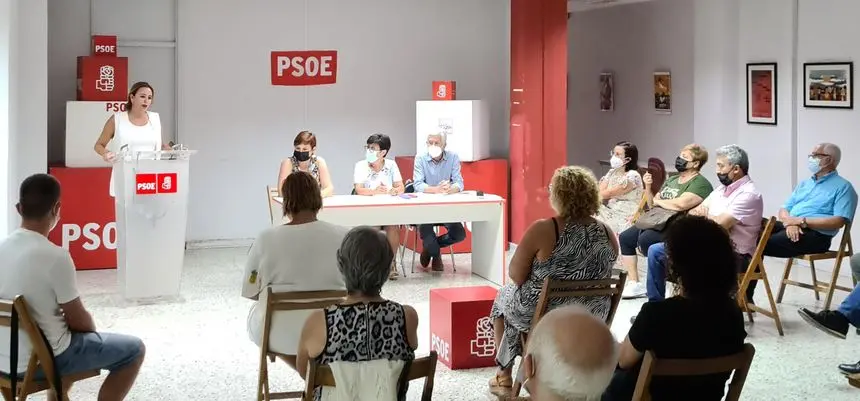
585	5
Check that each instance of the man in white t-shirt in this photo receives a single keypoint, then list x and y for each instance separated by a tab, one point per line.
44	274
376	175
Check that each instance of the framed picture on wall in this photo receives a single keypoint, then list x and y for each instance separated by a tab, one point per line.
607	92
663	92
829	85
761	93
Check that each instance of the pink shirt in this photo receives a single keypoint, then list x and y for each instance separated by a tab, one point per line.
742	201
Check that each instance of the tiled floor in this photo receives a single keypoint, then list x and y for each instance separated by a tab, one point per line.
197	349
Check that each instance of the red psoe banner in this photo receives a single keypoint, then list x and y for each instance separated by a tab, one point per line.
304	68
103	45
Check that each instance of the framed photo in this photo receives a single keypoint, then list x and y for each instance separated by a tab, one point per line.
607	92
761	93
829	85
663	92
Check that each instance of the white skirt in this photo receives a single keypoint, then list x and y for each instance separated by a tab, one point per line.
285	332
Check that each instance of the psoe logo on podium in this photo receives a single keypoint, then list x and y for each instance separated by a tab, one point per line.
151	183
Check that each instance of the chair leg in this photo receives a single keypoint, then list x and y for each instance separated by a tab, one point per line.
785	275
814	279
453	264
773	309
414	248
7	393
833	280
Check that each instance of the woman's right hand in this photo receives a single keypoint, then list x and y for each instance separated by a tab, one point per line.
109	156
647	180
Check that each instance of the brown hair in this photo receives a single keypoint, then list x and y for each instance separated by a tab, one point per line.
699	153
301	193
574	193
305	138
134	88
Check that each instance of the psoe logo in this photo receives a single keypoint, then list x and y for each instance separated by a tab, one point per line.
151	183
483	345
442	348
302	68
442	91
106	79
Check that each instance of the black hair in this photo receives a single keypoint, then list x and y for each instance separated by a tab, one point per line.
701	258
381	140
38	195
631	152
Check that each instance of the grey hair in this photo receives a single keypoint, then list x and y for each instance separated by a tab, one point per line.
834	152
364	260
441	135
736	156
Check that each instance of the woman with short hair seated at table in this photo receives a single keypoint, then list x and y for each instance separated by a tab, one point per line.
279	259
622	187
305	159
380	334
573	245
679	194
377	175
701	321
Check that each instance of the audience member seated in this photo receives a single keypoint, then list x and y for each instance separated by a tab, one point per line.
558	368
679	194
44	274
622	187
438	172
305	159
736	205
702	320
376	175
281	259
571	246
816	210
836	322
365	327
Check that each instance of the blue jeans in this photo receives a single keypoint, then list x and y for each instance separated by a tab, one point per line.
432	243
655	282
850	307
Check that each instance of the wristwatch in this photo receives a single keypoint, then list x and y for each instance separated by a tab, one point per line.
803	223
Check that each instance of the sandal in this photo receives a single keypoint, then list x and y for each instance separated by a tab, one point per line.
393	275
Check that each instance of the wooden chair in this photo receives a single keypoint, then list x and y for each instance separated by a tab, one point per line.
738	363
321	375
846	249
287	301
555	289
41	358
274	206
643	205
854	380
757	262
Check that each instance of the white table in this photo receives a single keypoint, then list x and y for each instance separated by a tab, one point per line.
486	214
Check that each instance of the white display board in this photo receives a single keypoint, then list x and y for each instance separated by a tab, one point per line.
84	123
465	123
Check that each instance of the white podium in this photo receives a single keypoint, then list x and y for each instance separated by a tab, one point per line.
151	213
466	124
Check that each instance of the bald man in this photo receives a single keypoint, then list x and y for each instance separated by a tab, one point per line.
571	356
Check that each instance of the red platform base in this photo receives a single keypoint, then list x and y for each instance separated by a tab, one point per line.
87	226
461	332
489	176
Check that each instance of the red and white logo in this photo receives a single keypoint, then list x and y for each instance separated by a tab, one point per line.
106	79
104	45
151	184
303	68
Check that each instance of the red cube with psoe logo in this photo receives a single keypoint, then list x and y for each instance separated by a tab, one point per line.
102	79
461	331
103	45
444	90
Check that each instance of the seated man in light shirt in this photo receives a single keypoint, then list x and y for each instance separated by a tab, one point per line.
816	210
378	175
438	172
736	205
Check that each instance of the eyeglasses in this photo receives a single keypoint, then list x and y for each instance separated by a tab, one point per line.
818	155
371	148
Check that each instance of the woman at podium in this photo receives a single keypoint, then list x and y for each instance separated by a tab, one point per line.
136	128
305	159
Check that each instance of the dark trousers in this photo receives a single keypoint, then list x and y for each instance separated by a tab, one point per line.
658	271
633	237
432	243
811	241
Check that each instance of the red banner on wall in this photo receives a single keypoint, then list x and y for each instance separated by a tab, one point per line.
304	68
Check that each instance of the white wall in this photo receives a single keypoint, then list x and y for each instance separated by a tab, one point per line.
388	53
633	42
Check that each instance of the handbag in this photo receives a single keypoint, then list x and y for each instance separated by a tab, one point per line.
655	219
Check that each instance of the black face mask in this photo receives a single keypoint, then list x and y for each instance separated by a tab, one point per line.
724	179
301	156
681	164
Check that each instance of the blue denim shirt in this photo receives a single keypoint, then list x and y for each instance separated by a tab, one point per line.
827	196
430	173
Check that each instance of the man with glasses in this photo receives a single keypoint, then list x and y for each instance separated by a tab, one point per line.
817	209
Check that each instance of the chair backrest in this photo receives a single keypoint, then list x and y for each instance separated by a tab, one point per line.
554	289
738	363
845	243
274	207
296	300
658	174
321	375
643	203
42	356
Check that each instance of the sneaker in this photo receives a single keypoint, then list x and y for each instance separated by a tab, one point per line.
633	289
830	322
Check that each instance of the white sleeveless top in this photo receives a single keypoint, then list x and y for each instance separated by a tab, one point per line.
138	138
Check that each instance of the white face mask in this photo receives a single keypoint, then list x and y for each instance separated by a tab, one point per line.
616	162
434	151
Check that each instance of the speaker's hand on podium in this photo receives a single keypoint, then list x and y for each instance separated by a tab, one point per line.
109	156
165	146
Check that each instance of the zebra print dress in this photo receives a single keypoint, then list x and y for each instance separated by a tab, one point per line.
582	252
